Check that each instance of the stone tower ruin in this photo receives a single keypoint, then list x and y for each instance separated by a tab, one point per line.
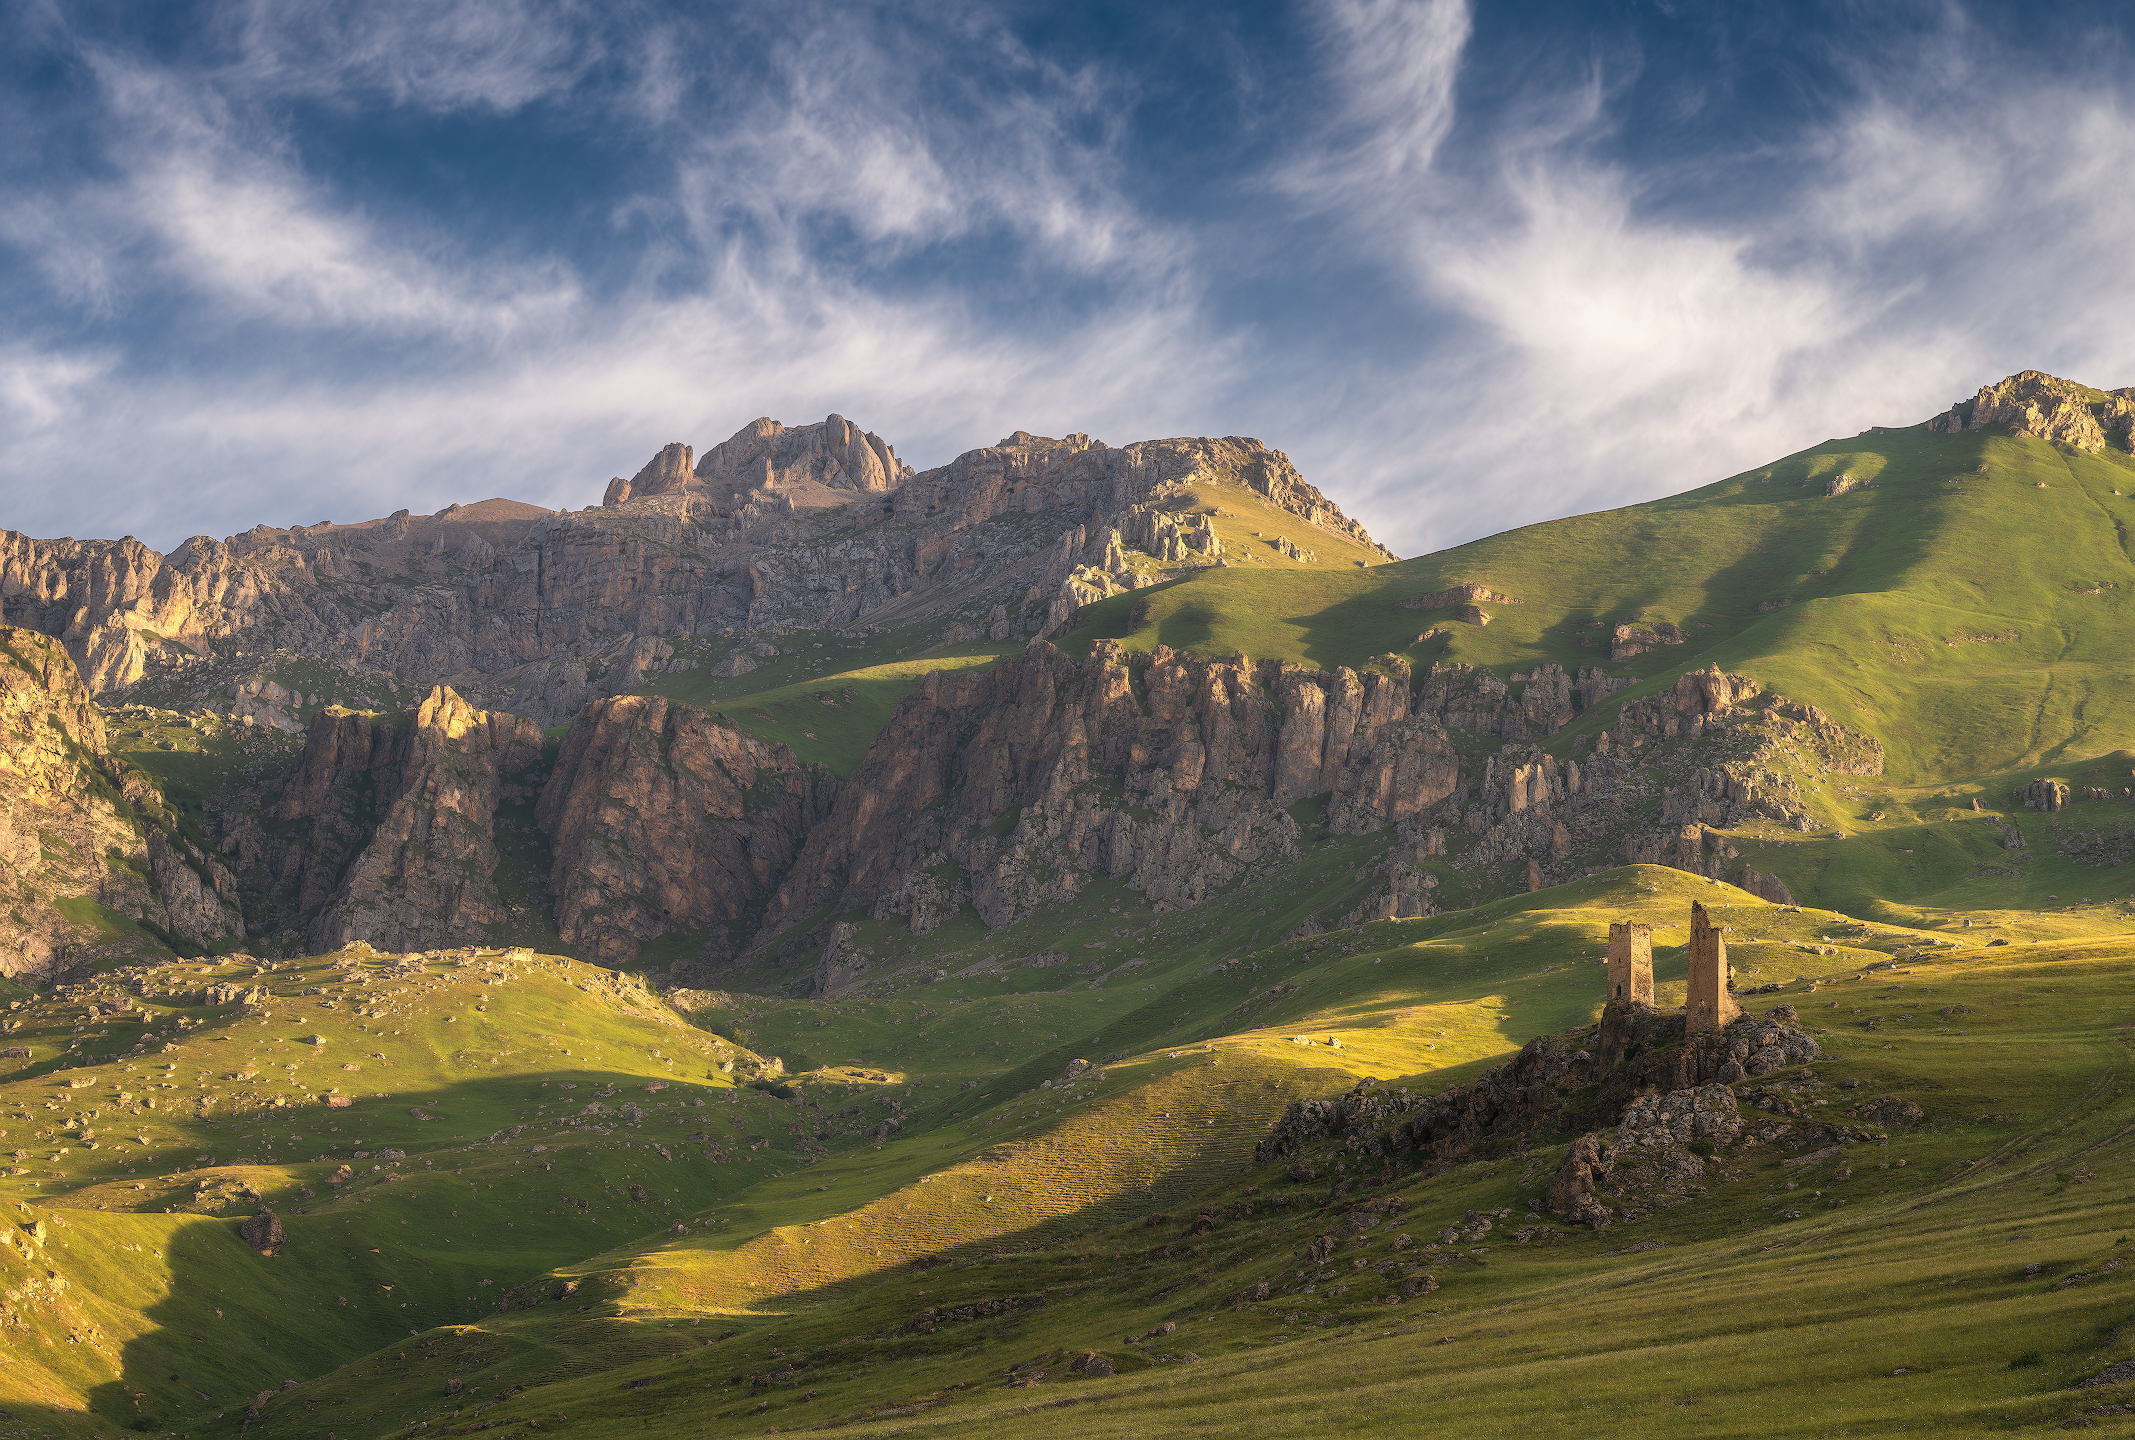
1710	1004
1631	962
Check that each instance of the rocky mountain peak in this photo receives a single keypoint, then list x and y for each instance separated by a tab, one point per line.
663	474
766	455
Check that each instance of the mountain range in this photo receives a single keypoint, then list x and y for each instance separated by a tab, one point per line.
1084	903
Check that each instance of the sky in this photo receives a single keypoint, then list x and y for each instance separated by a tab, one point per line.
1472	265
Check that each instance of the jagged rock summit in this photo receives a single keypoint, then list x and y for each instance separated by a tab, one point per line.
765	455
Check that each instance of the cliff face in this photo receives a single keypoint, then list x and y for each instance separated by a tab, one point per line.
78	831
542	613
395	824
1011	788
663	818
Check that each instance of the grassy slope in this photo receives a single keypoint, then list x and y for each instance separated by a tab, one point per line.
1026	1190
239	1101
1968	608
1910	1271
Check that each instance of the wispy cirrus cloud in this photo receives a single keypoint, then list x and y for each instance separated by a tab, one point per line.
492	54
1600	343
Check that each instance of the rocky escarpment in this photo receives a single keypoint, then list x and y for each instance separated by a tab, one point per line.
664	818
84	838
386	833
1010	789
540	613
2045	407
1708	753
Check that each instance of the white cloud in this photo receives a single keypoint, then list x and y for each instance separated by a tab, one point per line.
911	140
202	200
1398	61
1576	342
493	54
41	389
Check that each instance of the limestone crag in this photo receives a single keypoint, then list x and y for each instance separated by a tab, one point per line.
663	818
1452	598
1011	788
82	834
396	818
2044	407
541	613
1635	637
1546	700
1674	768
834	453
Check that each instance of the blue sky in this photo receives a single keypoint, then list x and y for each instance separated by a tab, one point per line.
1471	265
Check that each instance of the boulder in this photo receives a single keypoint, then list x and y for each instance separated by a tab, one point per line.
263	1232
1892	1110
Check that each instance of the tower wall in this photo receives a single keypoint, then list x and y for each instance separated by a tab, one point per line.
1631	962
1710	1005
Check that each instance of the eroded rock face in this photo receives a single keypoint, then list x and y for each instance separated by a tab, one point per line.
397	822
1022	782
2042	407
664	818
75	826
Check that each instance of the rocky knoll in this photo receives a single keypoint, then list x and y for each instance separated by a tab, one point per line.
1644	1106
663	818
394	819
541	612
1569	1084
1010	789
76	826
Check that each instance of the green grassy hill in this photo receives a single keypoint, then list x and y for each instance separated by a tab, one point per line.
1966	604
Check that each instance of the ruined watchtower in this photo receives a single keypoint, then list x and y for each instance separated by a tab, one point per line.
1710	1004
1631	962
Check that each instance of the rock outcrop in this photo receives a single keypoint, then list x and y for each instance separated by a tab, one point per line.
396	815
85	841
2044	407
664	818
1571	1084
1010	788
